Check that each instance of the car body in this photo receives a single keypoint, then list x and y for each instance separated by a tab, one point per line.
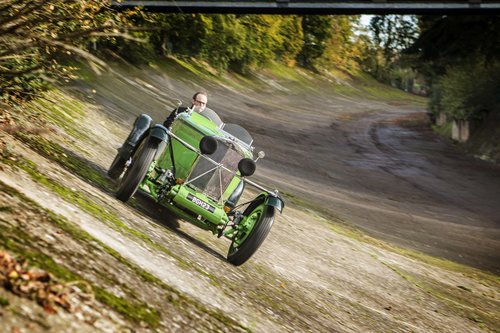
199	169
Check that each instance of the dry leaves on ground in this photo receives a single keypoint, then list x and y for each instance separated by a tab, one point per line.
17	277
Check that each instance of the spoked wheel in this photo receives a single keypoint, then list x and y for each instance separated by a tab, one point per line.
117	167
254	229
135	173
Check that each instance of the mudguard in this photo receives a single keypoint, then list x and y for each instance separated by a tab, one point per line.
276	202
269	200
159	133
141	126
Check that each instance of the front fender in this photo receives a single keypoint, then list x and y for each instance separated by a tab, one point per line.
139	131
141	125
276	202
268	200
159	133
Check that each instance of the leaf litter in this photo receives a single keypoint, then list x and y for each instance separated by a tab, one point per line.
18	277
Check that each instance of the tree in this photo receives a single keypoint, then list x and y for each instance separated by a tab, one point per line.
224	42
344	49
317	30
260	42
36	34
470	90
292	39
446	40
460	56
394	33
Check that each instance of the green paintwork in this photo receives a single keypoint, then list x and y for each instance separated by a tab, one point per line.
179	195
247	224
200	188
190	128
177	179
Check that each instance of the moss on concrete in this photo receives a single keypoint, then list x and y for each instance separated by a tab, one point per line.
13	240
65	158
60	110
4	302
17	241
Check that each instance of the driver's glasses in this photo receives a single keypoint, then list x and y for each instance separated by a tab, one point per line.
200	102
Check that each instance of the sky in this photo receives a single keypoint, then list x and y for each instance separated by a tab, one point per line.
365	19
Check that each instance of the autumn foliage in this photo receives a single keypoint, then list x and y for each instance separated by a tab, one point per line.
37	35
17	277
41	39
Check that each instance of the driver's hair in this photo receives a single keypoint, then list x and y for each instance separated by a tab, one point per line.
199	93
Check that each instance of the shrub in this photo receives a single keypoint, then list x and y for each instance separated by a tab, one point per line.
470	90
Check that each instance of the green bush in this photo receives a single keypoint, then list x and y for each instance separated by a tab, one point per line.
470	90
224	42
138	51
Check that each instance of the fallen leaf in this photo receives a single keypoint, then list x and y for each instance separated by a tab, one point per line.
13	275
49	308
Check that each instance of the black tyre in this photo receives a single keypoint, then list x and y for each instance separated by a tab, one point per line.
249	241
135	173
117	167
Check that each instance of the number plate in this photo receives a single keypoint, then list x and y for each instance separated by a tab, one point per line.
201	203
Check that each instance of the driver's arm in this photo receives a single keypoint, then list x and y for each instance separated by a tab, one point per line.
170	119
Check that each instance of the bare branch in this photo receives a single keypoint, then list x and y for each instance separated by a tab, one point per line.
30	7
17	56
84	33
78	51
6	72
6	4
144	29
33	22
34	19
36	41
19	46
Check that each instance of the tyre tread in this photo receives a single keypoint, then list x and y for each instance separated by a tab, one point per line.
134	176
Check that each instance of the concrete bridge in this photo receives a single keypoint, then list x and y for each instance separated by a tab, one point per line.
317	7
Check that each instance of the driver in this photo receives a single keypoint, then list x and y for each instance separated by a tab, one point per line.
200	100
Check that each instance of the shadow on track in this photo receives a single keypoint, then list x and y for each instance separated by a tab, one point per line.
95	175
163	217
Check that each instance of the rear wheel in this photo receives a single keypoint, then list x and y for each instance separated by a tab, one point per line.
135	173
254	230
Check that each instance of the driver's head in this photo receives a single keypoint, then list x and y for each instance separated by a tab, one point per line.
200	100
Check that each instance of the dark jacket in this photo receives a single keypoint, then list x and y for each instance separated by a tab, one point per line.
170	119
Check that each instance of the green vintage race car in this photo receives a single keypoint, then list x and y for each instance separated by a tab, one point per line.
198	169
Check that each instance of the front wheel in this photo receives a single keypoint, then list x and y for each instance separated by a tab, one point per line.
141	160
117	167
254	230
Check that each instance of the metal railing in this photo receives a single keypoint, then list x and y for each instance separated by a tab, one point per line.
317	7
